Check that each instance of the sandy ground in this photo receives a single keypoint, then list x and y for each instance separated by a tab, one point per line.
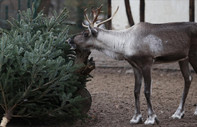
113	98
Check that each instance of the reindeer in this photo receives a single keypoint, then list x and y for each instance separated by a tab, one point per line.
143	45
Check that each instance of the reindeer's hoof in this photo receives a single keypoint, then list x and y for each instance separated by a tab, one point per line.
195	113
178	115
152	119
137	119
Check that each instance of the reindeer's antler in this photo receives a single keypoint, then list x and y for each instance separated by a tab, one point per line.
86	16
95	14
97	25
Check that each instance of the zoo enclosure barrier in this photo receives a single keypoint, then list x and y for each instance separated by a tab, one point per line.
10	8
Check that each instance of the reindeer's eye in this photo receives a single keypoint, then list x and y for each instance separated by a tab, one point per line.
86	34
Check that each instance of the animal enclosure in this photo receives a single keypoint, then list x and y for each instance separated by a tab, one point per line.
143	45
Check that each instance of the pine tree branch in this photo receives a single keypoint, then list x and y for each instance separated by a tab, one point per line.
4	98
20	116
3	107
45	92
15	105
46	84
27	90
32	79
58	18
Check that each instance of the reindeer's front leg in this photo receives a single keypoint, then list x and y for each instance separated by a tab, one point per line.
137	118
184	66
152	118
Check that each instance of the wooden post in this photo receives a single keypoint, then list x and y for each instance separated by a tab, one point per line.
142	10
109	15
19	5
58	6
28	4
128	11
19	8
192	10
6	12
44	5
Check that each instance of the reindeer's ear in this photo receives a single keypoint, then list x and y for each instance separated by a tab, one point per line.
93	31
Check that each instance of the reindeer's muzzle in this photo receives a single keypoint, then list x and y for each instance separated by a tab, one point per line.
70	41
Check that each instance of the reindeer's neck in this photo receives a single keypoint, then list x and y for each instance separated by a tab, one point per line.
111	41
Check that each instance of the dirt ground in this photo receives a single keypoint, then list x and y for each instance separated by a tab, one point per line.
113	98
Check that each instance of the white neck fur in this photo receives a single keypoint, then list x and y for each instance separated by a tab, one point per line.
113	43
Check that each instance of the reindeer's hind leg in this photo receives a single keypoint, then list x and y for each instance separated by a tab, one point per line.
195	113
193	62
184	66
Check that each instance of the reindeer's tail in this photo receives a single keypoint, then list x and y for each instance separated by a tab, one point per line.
194	29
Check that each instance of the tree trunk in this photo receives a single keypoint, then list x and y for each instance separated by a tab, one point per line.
142	10
191	10
6	118
128	11
80	17
82	58
4	122
109	26
45	5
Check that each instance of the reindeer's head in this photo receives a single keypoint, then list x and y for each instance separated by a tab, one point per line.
87	38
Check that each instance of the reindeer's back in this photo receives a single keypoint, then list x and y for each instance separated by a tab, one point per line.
167	39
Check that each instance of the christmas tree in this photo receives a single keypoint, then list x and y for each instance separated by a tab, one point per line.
38	77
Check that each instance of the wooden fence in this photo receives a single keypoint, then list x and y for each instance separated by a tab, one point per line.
10	8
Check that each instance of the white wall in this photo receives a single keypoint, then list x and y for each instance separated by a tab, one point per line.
156	11
195	10
120	20
161	11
